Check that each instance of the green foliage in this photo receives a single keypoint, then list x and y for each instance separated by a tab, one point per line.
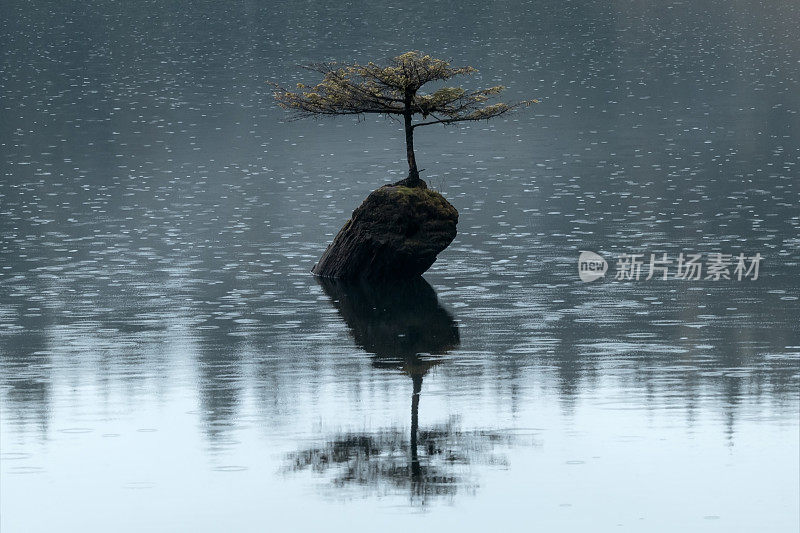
393	90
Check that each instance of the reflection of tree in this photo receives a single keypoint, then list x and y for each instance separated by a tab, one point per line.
25	367
219	368
378	462
406	329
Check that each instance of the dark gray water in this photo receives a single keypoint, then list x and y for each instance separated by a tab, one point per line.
168	363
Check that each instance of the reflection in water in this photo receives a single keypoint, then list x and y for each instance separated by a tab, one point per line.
433	463
405	328
402	324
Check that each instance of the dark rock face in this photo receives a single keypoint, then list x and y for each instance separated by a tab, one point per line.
396	233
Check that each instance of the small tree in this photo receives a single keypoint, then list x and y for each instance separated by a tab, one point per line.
392	91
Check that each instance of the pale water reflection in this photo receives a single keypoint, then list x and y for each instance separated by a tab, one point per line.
406	329
167	363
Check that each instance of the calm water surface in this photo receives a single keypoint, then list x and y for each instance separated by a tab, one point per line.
167	362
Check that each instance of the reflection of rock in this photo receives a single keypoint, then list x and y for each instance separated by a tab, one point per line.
401	323
396	233
406	328
397	322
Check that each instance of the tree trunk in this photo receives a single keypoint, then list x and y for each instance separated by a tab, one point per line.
413	173
413	179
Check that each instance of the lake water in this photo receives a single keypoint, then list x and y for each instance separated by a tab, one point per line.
168	363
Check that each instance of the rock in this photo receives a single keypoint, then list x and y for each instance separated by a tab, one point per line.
396	233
